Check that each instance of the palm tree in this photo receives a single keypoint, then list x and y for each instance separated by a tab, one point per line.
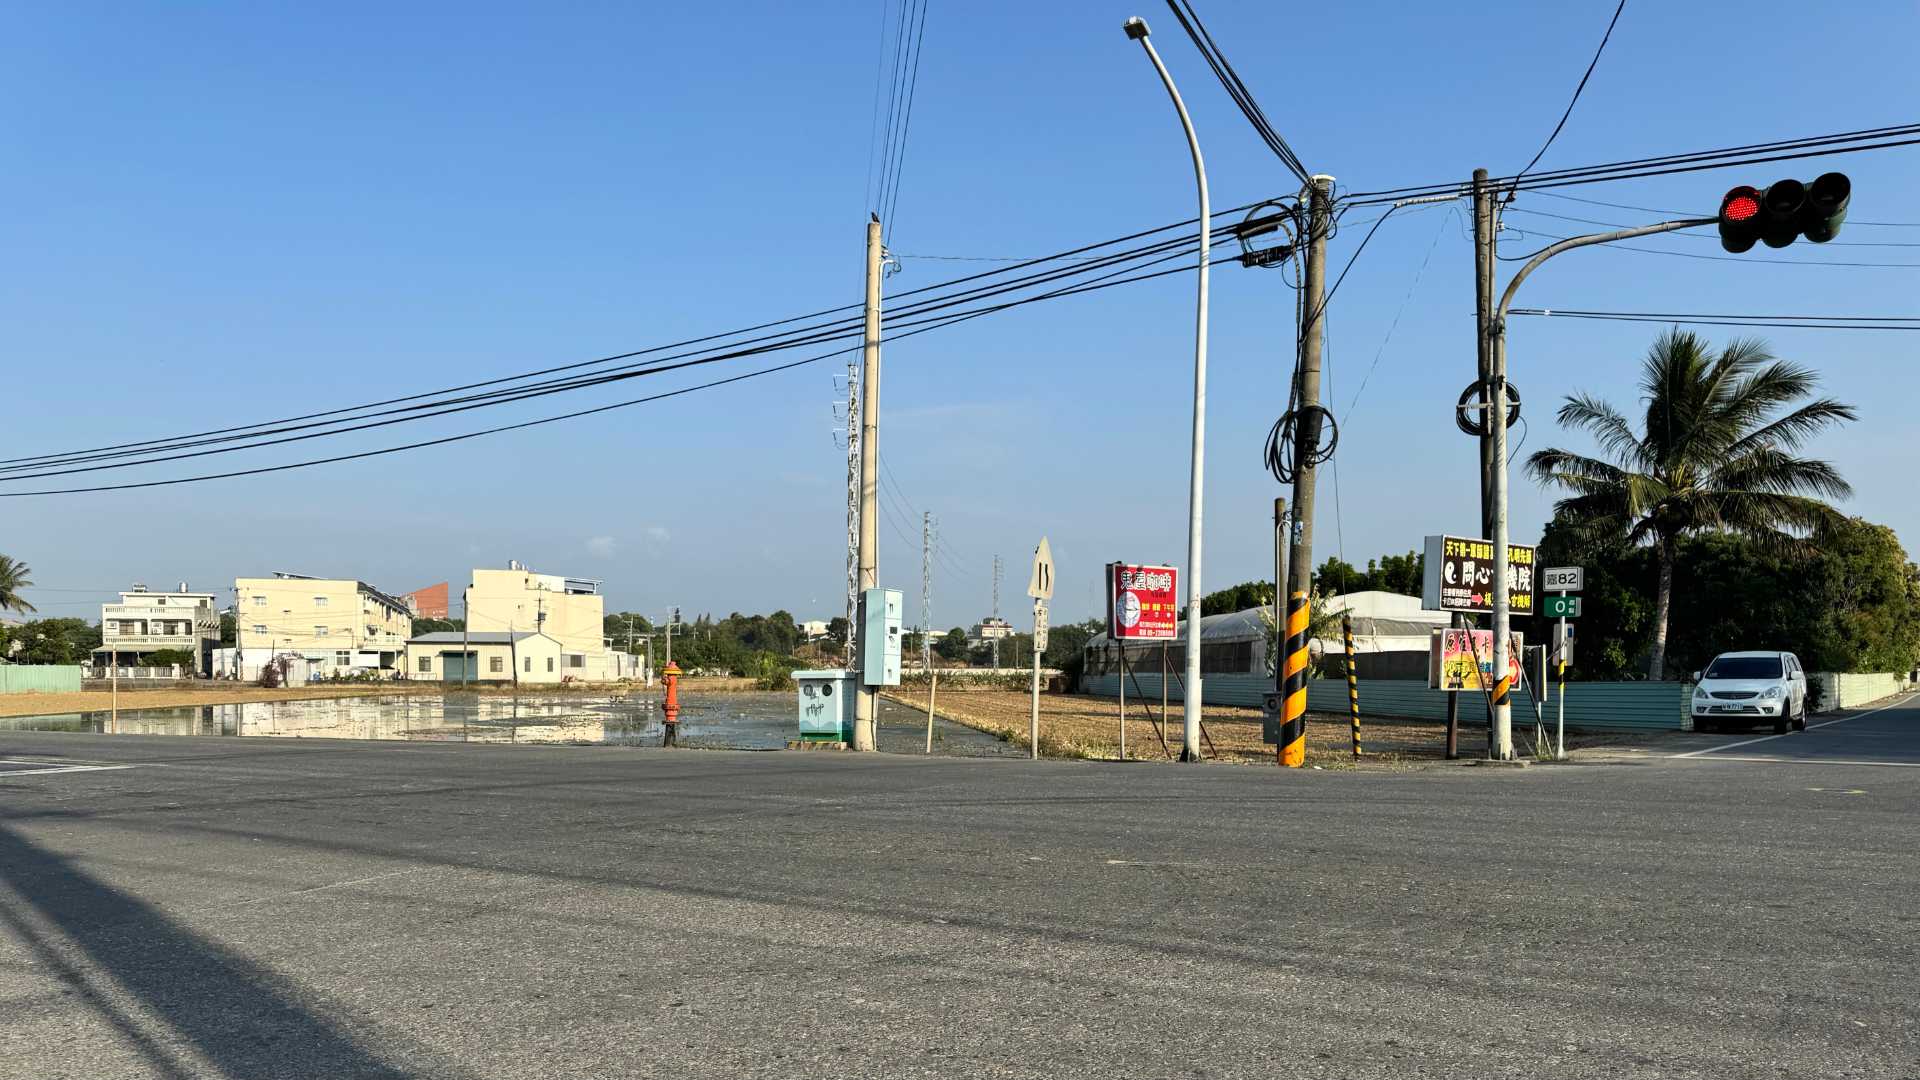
13	578
1714	452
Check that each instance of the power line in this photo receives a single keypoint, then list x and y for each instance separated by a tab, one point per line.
848	324
1604	38
906	123
933	324
1695	161
1804	322
1236	89
1395	324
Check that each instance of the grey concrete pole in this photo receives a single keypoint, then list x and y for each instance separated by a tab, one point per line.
1136	29
1501	747
1307	421
865	698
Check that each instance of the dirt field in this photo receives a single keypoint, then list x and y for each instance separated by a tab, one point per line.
1086	727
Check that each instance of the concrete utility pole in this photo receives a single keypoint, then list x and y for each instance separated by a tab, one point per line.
1291	749
1137	30
466	632
996	611
853	507
865	700
1306	429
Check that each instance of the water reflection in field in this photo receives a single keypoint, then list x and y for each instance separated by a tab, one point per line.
731	721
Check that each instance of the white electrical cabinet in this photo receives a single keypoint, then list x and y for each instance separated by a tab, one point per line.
880	638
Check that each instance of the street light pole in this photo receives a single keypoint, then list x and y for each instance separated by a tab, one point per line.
1502	741
1137	30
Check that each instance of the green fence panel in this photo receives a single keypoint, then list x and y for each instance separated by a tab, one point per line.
1612	706
49	679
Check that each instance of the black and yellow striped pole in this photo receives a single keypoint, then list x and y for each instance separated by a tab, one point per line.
1353	682
1292	748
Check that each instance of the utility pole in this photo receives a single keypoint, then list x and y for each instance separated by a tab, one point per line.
466	632
1292	747
1483	264
865	700
853	506
926	590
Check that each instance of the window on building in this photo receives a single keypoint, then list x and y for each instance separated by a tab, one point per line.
577	660
319	601
496	664
260	628
529	665
344	659
426	664
549	663
259	601
319	631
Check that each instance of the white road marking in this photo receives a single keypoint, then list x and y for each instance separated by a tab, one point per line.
54	768
335	885
1818	761
1810	727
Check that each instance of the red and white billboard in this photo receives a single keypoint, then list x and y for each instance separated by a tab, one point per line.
1143	602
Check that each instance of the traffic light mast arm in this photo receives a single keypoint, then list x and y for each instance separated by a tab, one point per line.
1506	298
1590	239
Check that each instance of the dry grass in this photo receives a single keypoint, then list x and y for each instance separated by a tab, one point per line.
1088	727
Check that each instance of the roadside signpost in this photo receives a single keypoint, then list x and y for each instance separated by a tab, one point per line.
1459	576
1040	587
1561	581
1143	604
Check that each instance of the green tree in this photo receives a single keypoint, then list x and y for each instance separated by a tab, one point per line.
837	628
1247	594
14	576
55	641
953	645
165	657
1337	576
438	626
1067	645
1714	452
1403	574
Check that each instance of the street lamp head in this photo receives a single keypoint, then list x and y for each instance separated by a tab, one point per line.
1136	28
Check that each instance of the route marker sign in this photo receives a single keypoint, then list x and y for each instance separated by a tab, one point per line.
1563	579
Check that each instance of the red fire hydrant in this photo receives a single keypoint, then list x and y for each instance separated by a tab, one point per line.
670	707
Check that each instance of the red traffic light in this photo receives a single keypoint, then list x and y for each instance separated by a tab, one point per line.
1740	218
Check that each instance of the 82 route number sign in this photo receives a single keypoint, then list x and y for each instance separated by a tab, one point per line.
1562	579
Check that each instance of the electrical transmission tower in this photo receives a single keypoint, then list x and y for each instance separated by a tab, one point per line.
926	590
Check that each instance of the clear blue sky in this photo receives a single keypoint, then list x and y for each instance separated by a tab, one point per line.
229	213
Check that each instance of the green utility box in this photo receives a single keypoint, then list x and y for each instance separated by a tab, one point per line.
825	705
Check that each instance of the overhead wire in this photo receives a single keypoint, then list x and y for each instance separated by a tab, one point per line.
1577	90
1751	259
1111	280
1236	88
906	123
849	323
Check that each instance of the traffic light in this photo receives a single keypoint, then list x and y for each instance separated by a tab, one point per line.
1784	211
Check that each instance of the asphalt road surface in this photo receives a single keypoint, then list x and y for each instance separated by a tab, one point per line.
287	909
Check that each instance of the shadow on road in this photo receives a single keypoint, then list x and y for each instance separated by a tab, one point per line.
236	1015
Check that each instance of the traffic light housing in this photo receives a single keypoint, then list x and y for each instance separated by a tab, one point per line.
1783	212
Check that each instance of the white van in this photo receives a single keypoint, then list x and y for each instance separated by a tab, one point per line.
1742	689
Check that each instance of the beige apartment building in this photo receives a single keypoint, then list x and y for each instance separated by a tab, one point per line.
570	610
338	624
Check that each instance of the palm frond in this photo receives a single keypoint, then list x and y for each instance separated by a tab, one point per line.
1616	437
1790	432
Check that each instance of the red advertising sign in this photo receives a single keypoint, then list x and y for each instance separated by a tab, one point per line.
1143	602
